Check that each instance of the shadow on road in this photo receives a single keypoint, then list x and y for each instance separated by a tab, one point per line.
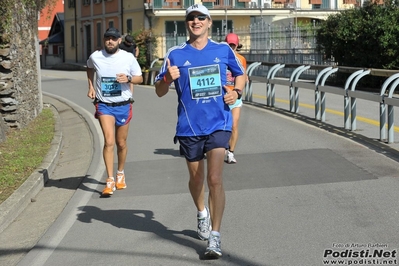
139	220
73	183
174	153
143	220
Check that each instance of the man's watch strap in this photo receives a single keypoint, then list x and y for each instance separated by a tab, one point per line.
129	79
239	93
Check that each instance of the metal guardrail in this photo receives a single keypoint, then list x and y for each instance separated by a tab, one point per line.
350	95
153	69
348	91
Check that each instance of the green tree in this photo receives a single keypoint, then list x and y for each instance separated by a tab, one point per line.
147	45
8	9
362	37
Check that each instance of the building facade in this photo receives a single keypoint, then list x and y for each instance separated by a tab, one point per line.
46	17
86	20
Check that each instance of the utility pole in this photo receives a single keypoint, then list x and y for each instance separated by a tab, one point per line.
225	25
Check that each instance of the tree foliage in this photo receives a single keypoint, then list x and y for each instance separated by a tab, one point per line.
147	45
8	8
362	37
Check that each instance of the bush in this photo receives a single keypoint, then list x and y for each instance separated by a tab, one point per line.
147	45
362	37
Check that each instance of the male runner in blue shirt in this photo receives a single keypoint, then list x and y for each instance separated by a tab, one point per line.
198	69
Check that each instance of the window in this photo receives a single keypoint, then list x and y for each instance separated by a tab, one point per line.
96	1
219	28
61	51
86	2
110	24
99	33
71	3
129	25
171	27
72	36
171	4
55	49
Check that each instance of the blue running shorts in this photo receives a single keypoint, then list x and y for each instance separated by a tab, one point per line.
194	148
123	114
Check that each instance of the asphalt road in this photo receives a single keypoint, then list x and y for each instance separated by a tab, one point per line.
302	193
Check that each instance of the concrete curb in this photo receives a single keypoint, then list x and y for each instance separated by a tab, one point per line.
60	227
19	200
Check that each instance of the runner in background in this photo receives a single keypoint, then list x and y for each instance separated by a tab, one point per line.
110	72
233	41
130	46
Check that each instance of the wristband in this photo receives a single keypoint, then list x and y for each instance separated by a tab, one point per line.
239	93
164	79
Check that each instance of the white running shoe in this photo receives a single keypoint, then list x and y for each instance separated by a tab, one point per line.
204	226
230	158
213	250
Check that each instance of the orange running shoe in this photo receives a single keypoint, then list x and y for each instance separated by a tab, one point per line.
109	187
120	181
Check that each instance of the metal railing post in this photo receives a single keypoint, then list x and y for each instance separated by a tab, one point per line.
150	74
276	68
317	93
296	89
353	99
383	116
391	123
323	94
291	89
268	85
346	98
248	86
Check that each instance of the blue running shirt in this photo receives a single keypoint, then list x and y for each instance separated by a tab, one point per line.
201	109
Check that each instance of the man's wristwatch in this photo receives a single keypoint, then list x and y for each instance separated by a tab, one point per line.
239	93
129	79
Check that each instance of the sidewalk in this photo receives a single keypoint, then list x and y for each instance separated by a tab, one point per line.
38	204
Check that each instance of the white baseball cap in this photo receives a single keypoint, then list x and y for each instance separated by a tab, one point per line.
199	8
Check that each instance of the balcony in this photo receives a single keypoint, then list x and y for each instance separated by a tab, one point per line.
210	4
244	4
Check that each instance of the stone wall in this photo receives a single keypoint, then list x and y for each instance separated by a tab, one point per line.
20	95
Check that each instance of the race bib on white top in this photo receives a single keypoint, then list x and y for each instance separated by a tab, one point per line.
110	87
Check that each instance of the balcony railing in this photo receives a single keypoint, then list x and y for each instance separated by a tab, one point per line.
183	4
237	4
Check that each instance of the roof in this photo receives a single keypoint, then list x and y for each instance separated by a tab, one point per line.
56	33
56	38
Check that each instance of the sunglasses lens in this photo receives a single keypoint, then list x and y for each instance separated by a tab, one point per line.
199	17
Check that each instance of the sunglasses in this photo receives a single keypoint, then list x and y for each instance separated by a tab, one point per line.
111	38
199	17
